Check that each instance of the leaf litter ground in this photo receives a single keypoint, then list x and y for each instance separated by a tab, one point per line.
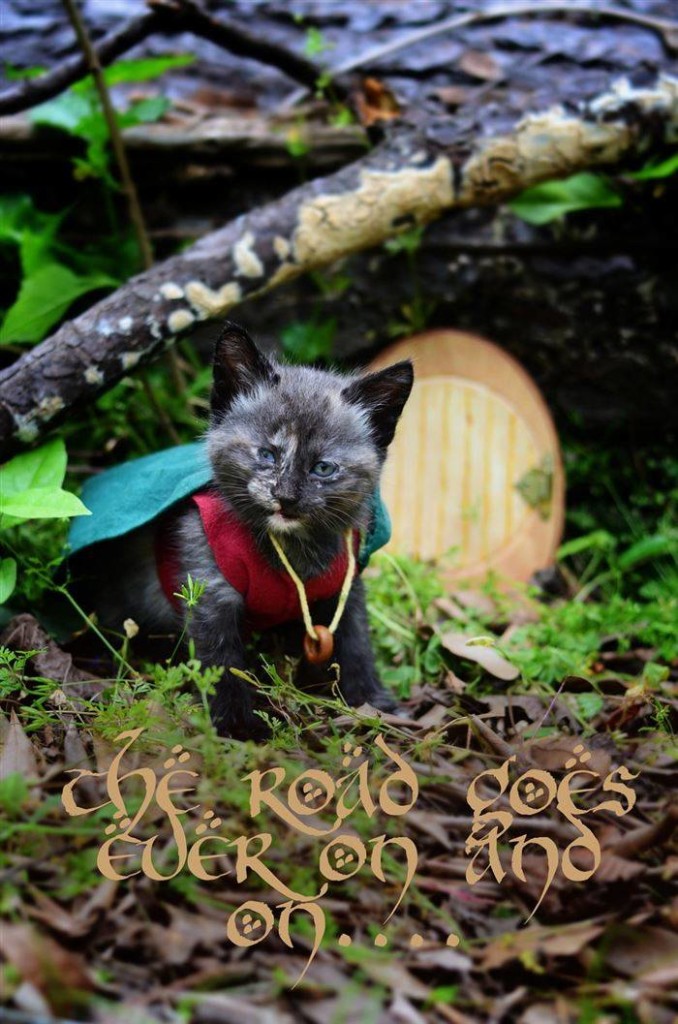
483	675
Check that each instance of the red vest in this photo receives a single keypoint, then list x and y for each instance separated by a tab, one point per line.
270	595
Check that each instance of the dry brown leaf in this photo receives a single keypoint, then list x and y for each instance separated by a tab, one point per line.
325	1011
18	753
487	657
453	888
428	823
75	755
443	957
389	971
58	918
480	65
452	95
509	706
55	972
670	871
24	633
375	102
476	600
552	752
434	717
224	1009
568	940
450	608
104	752
616	869
176	942
401	1011
558	1012
565	940
100	899
453	682
644	954
79	921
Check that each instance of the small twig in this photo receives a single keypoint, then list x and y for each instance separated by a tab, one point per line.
668	30
171	17
239	41
549	709
128	187
495	742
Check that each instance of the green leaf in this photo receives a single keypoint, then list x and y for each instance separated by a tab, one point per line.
43	467
14	210
654	169
554	199
407	241
66	111
655	674
13	74
14	793
146	68
589	705
600	540
7	578
45	296
30	229
316	43
144	112
649	547
306	341
78	112
43	503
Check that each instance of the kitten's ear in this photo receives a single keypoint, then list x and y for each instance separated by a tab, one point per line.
238	367
383	395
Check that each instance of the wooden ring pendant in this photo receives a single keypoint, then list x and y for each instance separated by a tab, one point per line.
320	650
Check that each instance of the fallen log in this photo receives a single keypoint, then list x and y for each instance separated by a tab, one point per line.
412	178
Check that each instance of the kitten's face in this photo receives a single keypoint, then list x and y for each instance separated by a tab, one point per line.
295	456
295	449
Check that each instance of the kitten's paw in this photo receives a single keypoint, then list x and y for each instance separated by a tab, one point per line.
233	717
244	727
383	701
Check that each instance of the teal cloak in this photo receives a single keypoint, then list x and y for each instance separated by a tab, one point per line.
137	492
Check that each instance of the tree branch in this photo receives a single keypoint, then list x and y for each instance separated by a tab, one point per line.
168	17
414	177
31	91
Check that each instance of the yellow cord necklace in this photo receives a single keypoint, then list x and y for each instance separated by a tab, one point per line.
319	640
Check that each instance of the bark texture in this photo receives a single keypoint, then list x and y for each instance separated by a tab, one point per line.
416	176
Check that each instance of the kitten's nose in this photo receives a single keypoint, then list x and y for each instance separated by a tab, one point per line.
289	504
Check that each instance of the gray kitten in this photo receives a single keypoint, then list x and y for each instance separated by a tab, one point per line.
296	452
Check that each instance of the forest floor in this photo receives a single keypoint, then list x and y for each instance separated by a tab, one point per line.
545	682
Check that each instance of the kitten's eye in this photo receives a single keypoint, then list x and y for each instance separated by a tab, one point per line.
267	455
324	469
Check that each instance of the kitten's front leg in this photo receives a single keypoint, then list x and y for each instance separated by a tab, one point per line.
358	678
216	629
